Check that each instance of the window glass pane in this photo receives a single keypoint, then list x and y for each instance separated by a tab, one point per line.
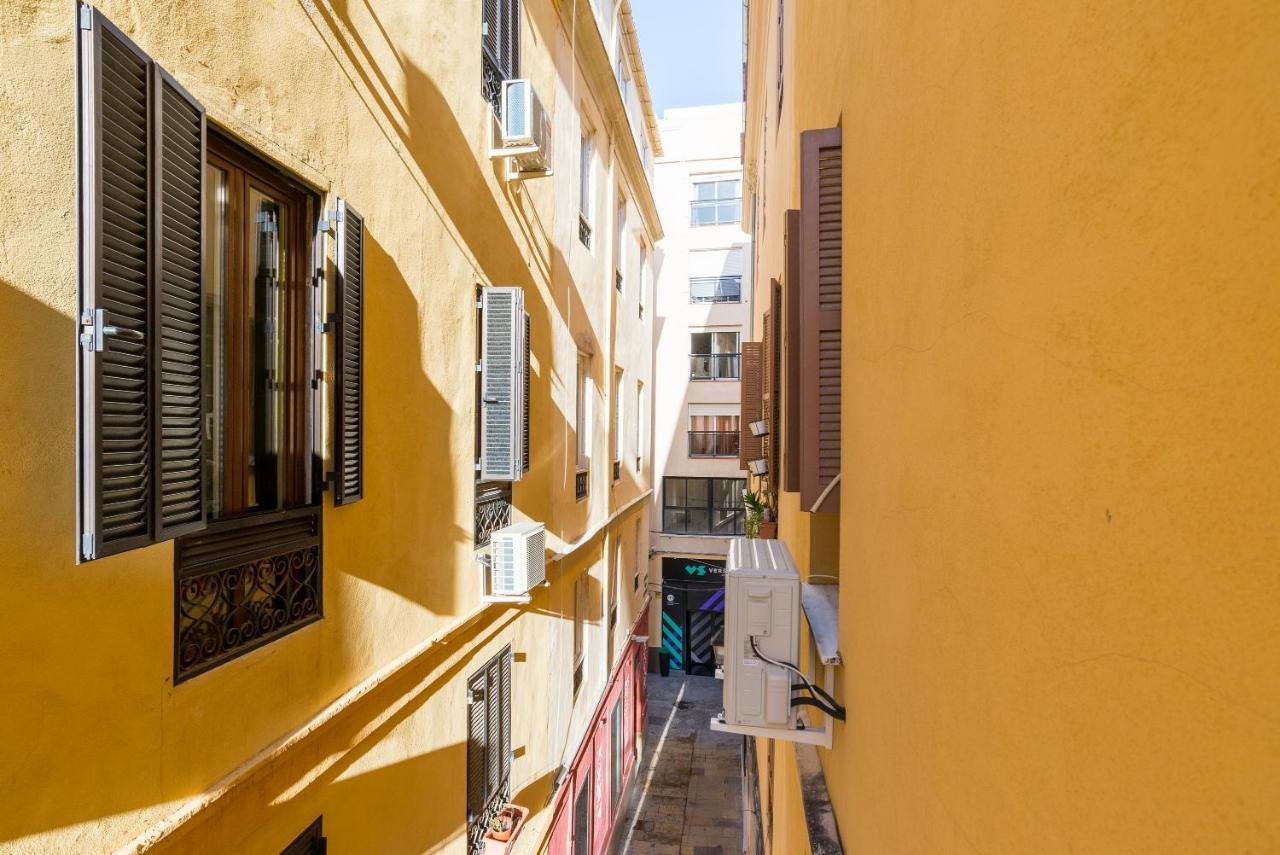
725	342
704	214
696	495
674	496
215	290
700	342
704	190
582	819
267	260
673	520
698	521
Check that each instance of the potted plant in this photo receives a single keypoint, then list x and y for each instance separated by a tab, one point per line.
503	828
759	514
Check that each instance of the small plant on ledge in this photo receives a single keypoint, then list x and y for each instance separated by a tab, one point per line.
503	828
759	514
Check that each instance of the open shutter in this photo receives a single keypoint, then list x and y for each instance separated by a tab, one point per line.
749	447
504	740
141	166
524	445
821	285
766	383
790	335
178	309
348	430
771	398
502	382
477	739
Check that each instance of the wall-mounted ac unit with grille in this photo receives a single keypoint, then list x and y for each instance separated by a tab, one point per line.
524	132
517	560
501	383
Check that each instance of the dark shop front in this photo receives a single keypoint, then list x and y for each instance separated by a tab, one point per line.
692	612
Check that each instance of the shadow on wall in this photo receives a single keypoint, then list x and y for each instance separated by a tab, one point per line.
421	801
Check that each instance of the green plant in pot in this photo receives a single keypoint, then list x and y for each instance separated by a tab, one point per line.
758	509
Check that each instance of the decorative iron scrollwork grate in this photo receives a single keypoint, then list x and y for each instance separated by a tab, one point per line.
580	482
492	83
493	511
241	585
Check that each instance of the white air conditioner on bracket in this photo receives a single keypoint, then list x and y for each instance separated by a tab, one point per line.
762	648
523	132
517	563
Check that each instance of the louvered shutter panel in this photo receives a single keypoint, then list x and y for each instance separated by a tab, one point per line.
178	309
766	382
491	33
511	38
141	149
821	281
773	370
790	335
504	751
348	431
527	360
477	739
502	382
748	444
493	731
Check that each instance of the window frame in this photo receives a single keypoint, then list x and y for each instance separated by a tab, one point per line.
586	185
714	201
735	486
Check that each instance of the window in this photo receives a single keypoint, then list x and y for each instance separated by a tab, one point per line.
644	279
713	355
781	55
635	579
586	155
499	47
580	606
617	423
713	431
583	415
619	241
702	506
639	425
624	77
309	842
715	289
582	817
716	203
615	752
488	745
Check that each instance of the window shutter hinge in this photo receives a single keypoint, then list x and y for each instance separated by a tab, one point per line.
484	28
480	367
325	224
88	545
333	218
316	378
479	304
329	480
86	17
475	696
327	325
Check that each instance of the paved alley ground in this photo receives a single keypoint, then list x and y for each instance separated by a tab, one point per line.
690	796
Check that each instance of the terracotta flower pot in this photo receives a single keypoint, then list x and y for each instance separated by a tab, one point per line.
499	842
768	530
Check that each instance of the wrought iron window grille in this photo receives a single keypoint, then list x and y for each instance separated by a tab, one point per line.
241	584
581	483
493	511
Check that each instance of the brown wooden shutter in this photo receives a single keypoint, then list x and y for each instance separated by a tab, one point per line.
766	383
772	399
348	431
790	328
748	444
504	701
140	147
821	274
178	309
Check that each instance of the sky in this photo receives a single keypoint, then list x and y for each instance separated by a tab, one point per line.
692	50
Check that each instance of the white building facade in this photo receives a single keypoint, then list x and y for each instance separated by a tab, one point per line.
702	301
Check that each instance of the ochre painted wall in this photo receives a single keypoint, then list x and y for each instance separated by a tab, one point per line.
1059	487
378	103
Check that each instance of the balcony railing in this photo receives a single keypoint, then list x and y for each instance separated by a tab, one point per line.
584	231
617	470
715	212
713	443
617	280
715	289
581	481
713	366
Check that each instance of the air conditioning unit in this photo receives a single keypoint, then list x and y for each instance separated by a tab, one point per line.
518	559
762	628
525	130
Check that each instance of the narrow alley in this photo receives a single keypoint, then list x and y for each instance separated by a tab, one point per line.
689	801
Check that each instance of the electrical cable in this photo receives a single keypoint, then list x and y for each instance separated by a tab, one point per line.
837	712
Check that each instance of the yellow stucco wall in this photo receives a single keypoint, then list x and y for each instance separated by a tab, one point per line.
379	104
1059	492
